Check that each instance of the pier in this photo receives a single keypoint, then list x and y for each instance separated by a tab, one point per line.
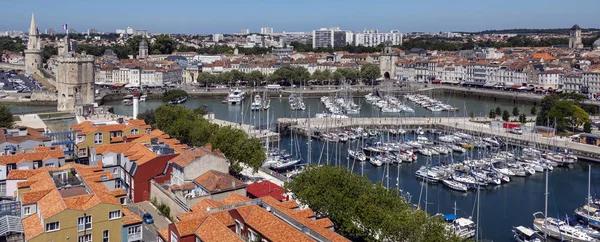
584	151
261	134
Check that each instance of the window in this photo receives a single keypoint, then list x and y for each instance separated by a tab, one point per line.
118	183
135	230
52	226
3	189
84	223
85	238
173	237
105	236
115	171
81	152
253	236
98	138
26	210
238	227
135	131
114	214
123	201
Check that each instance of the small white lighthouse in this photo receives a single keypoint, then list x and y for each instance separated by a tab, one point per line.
136	105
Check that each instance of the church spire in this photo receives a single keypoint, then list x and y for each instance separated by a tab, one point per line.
33	29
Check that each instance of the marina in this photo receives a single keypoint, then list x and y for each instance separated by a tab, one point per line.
513	202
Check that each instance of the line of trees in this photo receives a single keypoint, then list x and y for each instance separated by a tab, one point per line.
363	211
11	44
563	111
189	127
294	75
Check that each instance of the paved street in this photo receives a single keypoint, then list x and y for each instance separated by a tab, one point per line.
150	230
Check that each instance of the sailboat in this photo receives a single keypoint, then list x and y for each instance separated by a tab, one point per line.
555	227
257	103
464	228
589	214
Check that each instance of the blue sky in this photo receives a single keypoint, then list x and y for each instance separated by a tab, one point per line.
227	16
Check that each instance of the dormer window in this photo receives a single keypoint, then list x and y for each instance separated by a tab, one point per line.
135	131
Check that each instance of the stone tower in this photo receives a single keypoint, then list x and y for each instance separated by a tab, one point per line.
575	38
143	50
74	79
33	53
387	62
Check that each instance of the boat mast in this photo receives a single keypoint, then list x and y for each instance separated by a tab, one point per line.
267	132
546	207
589	192
477	223
309	138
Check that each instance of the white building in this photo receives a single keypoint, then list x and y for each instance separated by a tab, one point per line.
550	79
121	31
245	31
371	38
129	30
266	30
328	37
217	37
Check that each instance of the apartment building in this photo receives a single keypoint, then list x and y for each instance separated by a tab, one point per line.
238	218
74	202
27	159
328	38
90	134
372	38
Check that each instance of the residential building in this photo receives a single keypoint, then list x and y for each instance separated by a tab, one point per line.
245	32
238	218
23	138
192	163
29	159
550	79
591	80
90	134
217	37
372	38
266	30
574	83
74	201
328	38
50	31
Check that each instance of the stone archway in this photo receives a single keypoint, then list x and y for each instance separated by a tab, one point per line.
386	75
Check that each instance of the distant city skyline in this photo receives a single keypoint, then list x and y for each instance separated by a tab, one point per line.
200	17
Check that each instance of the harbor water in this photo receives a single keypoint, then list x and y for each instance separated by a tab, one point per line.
501	207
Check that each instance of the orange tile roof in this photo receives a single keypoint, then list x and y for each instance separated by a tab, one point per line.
164	233
224	218
234	198
116	139
128	217
216	181
212	229
191	215
206	203
57	153
271	227
135	151
32	226
188	227
34	196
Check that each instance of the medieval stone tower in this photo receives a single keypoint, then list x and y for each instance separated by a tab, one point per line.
387	62
33	53
575	38
143	50
74	79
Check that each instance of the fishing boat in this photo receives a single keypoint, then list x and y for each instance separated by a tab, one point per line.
143	98
464	228
454	185
524	234
127	100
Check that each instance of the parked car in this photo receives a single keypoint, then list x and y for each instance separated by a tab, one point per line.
516	131
148	218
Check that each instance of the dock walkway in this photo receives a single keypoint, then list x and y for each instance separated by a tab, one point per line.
250	130
585	151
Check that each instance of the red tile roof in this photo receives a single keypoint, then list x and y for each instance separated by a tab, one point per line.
216	181
266	188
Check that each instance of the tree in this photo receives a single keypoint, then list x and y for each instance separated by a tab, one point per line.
498	111
238	76
172	95
363	211
206	78
587	127
505	115
6	117
533	111
163	44
338	76
515	111
255	77
370	72
492	114
523	118
148	117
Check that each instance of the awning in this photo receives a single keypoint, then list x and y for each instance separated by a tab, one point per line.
489	84
523	88
118	84
474	83
436	81
515	87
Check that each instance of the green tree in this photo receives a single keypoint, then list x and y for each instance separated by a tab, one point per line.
255	77
163	44
498	111
6	117
338	75
533	111
370	72
587	127
523	118
515	111
148	117
362	211
206	78
238	76
505	115
172	95
492	114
